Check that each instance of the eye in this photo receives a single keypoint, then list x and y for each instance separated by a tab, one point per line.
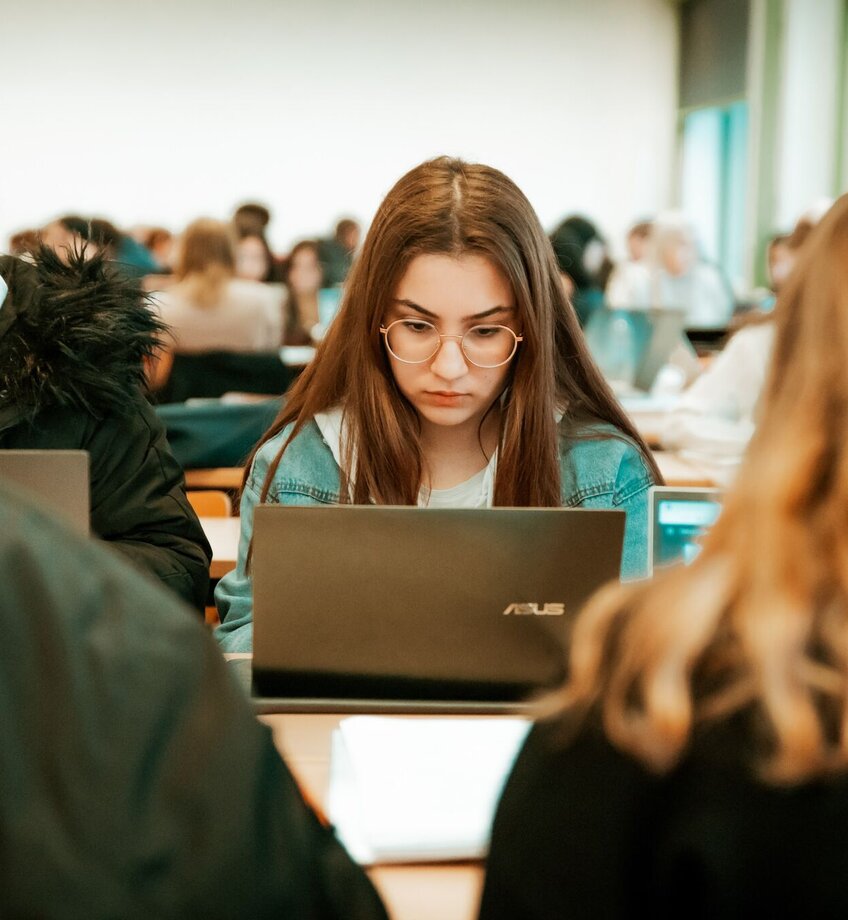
415	327
478	333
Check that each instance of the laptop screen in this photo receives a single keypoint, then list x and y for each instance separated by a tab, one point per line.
406	603
679	520
631	346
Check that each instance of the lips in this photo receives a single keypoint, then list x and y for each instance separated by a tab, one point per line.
444	397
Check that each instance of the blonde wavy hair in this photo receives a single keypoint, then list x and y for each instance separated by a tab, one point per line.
206	261
758	624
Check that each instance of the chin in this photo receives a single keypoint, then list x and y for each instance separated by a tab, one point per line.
449	418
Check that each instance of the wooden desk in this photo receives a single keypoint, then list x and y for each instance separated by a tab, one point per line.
680	471
223	536
225	477
447	891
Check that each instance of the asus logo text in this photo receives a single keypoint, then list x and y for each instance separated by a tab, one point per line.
539	610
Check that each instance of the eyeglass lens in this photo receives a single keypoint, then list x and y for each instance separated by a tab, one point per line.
415	341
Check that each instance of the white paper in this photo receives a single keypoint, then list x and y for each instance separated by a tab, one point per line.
419	789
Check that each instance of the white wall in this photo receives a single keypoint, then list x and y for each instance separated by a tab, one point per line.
157	113
808	106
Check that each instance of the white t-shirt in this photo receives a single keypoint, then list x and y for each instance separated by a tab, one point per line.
469	494
476	492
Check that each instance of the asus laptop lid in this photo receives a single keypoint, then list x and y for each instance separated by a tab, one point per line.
679	518
56	479
401	603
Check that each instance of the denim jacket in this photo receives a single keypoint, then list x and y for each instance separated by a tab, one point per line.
600	469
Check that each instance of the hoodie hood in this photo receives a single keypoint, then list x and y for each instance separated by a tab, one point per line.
71	335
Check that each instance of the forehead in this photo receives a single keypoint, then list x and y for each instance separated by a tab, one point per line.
448	285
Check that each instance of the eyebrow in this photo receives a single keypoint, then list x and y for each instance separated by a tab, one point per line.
419	309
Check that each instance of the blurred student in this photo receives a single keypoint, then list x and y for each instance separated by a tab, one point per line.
251	217
66	235
126	256
455	375
160	243
673	275
73	339
584	264
209	309
24	243
254	259
716	417
697	765
250	222
304	279
136	780
336	253
638	239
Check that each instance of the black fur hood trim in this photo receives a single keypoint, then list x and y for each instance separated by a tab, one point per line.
72	335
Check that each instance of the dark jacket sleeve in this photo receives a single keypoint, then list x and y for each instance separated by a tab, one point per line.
137	781
138	503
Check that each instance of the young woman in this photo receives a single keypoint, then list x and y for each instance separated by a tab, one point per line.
304	276
209	309
697	764
454	375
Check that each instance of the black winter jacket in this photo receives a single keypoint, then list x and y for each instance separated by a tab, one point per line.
72	343
137	783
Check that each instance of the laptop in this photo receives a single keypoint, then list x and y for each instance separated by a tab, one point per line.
679	518
55	479
631	346
402	608
708	340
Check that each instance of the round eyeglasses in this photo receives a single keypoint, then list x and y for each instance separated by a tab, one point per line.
414	341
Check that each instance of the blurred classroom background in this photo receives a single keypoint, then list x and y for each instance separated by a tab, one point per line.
151	116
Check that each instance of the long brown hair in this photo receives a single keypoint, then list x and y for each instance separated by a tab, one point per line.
758	624
450	207
296	331
206	260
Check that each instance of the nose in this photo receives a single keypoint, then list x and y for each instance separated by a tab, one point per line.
449	362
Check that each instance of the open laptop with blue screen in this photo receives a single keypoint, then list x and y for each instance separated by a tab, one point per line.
377	607
679	518
630	346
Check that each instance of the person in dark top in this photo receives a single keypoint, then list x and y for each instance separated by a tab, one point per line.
336	252
695	764
136	780
584	264
73	339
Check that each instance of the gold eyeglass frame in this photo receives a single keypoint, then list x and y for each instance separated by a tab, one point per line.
443	335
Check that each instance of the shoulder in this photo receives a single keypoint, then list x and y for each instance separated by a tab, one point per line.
251	293
757	338
596	459
307	469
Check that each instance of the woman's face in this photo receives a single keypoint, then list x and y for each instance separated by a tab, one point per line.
453	294
305	272
251	259
780	261
678	255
